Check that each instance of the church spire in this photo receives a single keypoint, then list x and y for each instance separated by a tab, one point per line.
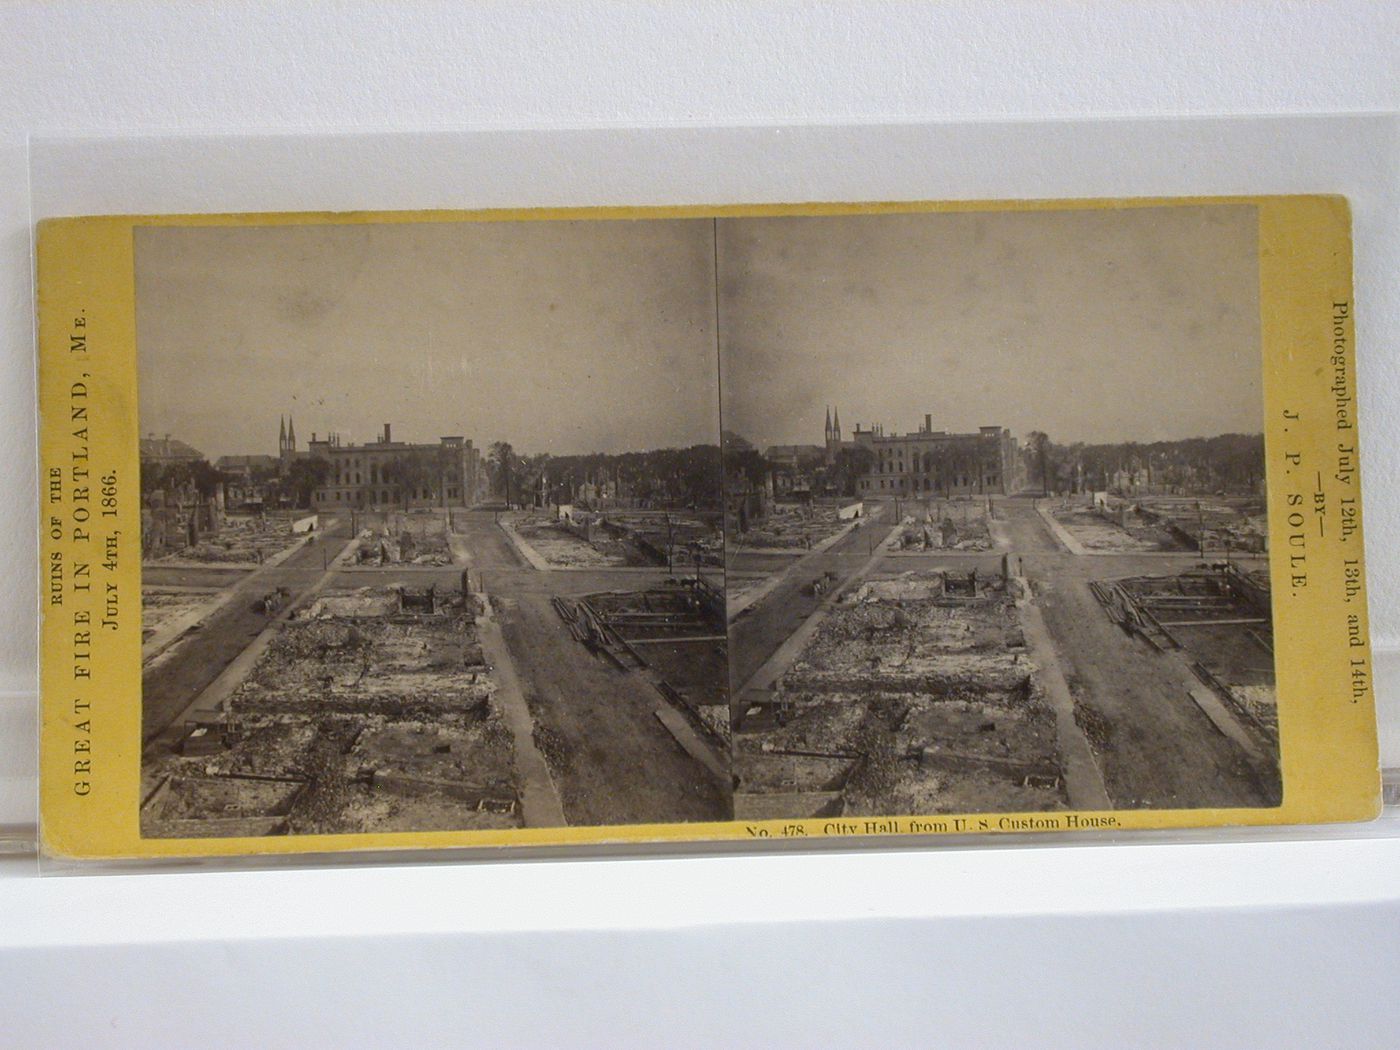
828	423
836	425
281	434
291	435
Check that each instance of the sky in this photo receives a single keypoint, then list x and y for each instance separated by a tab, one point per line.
556	336
600	336
1091	325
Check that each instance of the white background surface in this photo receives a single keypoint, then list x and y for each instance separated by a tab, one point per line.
1244	944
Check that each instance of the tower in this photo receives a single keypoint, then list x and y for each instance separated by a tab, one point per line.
286	444
833	435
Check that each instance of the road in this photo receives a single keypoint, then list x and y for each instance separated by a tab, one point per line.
172	680
1160	750
612	760
756	635
1154	745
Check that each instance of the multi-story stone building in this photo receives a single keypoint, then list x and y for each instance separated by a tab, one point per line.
388	473
929	463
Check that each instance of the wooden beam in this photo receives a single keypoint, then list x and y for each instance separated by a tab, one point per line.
1214	623
683	638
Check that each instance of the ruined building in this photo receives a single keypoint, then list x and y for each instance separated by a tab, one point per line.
932	462
388	473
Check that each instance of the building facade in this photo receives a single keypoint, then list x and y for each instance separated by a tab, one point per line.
932	463
387	473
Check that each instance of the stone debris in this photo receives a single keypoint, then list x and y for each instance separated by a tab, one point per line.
415	538
910	698
240	540
609	539
376	704
959	525
789	527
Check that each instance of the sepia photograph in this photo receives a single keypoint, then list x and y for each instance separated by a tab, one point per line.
996	535
430	527
486	525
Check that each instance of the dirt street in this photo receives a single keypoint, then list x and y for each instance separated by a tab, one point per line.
1153	744
612	760
756	635
173	679
1157	747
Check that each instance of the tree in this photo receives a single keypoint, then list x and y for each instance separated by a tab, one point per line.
502	462
304	477
206	478
747	463
851	465
185	475
1038	457
531	474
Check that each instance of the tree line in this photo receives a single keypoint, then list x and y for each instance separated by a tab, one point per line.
1227	463
673	477
200	479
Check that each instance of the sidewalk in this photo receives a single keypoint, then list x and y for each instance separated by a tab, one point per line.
168	633
765	679
209	703
748	599
1060	533
523	547
1083	779
539	798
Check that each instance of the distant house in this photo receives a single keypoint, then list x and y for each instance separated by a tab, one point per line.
794	457
244	467
167	449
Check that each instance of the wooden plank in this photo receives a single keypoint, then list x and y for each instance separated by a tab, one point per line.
683	638
1252	620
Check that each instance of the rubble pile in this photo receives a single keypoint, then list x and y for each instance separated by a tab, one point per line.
1221	620
384	719
240	540
959	525
419	538
685	535
1123	528
790	527
558	546
906	700
1235	524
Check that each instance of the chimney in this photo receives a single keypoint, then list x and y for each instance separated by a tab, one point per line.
386	433
928	422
